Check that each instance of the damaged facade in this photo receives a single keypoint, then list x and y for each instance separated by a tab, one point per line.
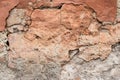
58	34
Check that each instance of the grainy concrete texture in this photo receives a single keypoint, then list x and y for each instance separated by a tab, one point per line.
60	40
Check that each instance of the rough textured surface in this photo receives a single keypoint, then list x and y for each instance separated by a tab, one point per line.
3	45
5	71
61	40
17	17
54	34
95	46
118	10
30	71
77	69
43	71
5	7
105	9
33	4
51	34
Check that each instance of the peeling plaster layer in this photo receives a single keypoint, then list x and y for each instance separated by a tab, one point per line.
53	35
47	40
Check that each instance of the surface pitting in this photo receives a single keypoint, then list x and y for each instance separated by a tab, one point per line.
59	40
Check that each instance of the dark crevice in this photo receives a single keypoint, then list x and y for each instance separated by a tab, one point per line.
90	9
100	22
113	46
15	29
103	29
37	37
7	43
9	14
53	7
72	54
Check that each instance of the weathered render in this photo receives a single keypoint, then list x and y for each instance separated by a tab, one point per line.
59	40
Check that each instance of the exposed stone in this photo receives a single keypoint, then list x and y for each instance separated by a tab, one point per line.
17	17
69	72
5	71
96	51
5	7
33	4
101	43
24	45
54	34
16	28
118	9
28	71
76	69
60	40
43	71
108	15
3	45
93	70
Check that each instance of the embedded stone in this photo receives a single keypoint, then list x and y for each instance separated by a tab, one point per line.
54	32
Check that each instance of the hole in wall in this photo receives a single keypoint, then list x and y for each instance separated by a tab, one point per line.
7	43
